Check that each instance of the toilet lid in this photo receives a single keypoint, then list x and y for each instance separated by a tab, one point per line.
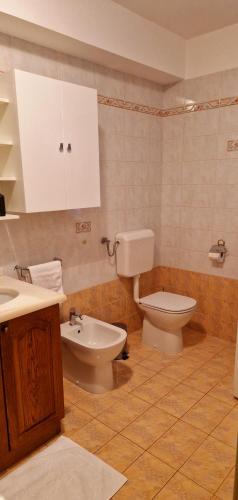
170	302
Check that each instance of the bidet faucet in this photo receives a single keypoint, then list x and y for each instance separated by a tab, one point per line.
73	315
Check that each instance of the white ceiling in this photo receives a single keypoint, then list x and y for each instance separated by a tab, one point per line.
187	18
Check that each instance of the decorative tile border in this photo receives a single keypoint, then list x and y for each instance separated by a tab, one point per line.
164	113
232	145
128	105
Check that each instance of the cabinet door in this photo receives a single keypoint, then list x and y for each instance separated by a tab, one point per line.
41	132
3	421
32	373
80	122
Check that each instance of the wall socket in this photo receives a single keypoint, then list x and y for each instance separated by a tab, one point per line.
83	227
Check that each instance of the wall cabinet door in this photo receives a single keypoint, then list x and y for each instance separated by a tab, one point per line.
32	374
80	123
40	132
58	144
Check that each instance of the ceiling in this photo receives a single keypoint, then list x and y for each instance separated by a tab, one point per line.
187	18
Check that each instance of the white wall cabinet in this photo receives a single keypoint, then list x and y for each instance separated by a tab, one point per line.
53	126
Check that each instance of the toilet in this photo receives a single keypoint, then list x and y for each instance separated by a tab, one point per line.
88	349
165	313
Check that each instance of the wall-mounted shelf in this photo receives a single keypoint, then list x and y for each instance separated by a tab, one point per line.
6	144
8	217
7	178
3	101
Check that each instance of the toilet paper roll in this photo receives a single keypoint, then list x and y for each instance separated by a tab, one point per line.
215	256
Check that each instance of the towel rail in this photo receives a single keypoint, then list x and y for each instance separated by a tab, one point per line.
23	273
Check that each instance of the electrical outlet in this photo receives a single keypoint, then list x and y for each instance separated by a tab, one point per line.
83	227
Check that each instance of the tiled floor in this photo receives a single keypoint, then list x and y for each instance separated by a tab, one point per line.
171	424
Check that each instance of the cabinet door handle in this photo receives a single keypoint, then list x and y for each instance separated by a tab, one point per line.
69	148
61	147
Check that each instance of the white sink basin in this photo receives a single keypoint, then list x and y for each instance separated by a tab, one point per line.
7	294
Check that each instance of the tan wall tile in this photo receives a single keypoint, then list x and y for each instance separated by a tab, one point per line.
112	301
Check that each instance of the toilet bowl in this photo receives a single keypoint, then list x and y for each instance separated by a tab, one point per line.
164	313
164	316
88	349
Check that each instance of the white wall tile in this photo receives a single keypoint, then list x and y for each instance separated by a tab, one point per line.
226	196
201	123
197	196
196	218
199	172
171	172
229	83
227	171
228	119
203	88
33	58
200	148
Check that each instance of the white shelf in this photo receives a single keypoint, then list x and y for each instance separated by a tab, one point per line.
3	144
9	217
7	178
3	101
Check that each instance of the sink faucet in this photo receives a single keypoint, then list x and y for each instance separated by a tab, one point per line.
73	315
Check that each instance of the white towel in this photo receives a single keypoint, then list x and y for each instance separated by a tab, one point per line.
48	275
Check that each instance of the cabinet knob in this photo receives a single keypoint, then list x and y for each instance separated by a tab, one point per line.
61	147
69	148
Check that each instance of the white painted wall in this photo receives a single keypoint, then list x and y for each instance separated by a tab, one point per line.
102	24
212	52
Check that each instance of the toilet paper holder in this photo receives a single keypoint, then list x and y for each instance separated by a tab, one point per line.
218	252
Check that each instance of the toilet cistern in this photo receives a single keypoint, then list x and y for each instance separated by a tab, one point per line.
164	313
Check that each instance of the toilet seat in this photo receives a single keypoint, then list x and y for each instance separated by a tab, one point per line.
170	303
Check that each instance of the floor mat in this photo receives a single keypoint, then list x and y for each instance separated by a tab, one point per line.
62	471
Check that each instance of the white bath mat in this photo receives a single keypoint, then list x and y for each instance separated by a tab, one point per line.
62	471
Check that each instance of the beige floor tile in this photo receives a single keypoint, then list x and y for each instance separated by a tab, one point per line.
214	343
140	352
129	378
219	366
158	360
93	435
122	413
210	464
224	392
206	414
182	488
119	453
155	388
198	353
97	403
178	444
227	430
203	379
225	358
147	428
72	393
131	361
179	400
74	420
181	369
192	338
225	492
145	478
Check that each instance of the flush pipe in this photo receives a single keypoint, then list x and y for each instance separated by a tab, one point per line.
136	286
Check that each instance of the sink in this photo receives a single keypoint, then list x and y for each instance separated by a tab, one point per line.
7	294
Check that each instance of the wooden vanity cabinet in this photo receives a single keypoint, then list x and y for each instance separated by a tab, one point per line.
31	383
